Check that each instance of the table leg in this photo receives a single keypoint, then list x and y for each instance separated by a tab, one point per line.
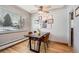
30	43
39	44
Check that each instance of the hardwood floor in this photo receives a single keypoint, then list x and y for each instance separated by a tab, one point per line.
23	48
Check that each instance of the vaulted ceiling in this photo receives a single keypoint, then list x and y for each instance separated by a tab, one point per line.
34	8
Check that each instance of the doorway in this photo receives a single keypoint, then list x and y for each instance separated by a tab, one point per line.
72	36
71	16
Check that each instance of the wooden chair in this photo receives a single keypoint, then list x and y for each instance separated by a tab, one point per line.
45	40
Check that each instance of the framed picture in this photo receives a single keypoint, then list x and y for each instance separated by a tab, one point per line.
44	24
72	15
77	11
36	21
40	17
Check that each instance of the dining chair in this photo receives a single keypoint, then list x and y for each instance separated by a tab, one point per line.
45	40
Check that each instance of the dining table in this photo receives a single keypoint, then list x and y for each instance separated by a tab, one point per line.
35	37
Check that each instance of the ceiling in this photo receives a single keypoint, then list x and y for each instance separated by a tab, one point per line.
34	8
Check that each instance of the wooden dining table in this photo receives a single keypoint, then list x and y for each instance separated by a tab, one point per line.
37	38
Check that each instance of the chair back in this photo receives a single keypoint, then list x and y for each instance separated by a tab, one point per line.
46	37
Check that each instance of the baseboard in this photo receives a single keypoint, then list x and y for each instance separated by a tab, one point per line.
11	44
58	42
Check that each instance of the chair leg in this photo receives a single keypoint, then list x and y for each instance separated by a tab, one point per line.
45	47
34	44
47	44
28	44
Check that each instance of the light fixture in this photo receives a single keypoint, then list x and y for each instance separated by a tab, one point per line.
45	15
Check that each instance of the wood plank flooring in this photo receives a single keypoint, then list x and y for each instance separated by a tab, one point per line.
23	48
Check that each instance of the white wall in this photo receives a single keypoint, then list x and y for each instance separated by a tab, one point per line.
76	35
6	38
76	32
75	25
59	27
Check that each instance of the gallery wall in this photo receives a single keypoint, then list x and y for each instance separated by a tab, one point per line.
59	27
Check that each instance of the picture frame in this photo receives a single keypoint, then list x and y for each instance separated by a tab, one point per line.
44	25
72	15
77	11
